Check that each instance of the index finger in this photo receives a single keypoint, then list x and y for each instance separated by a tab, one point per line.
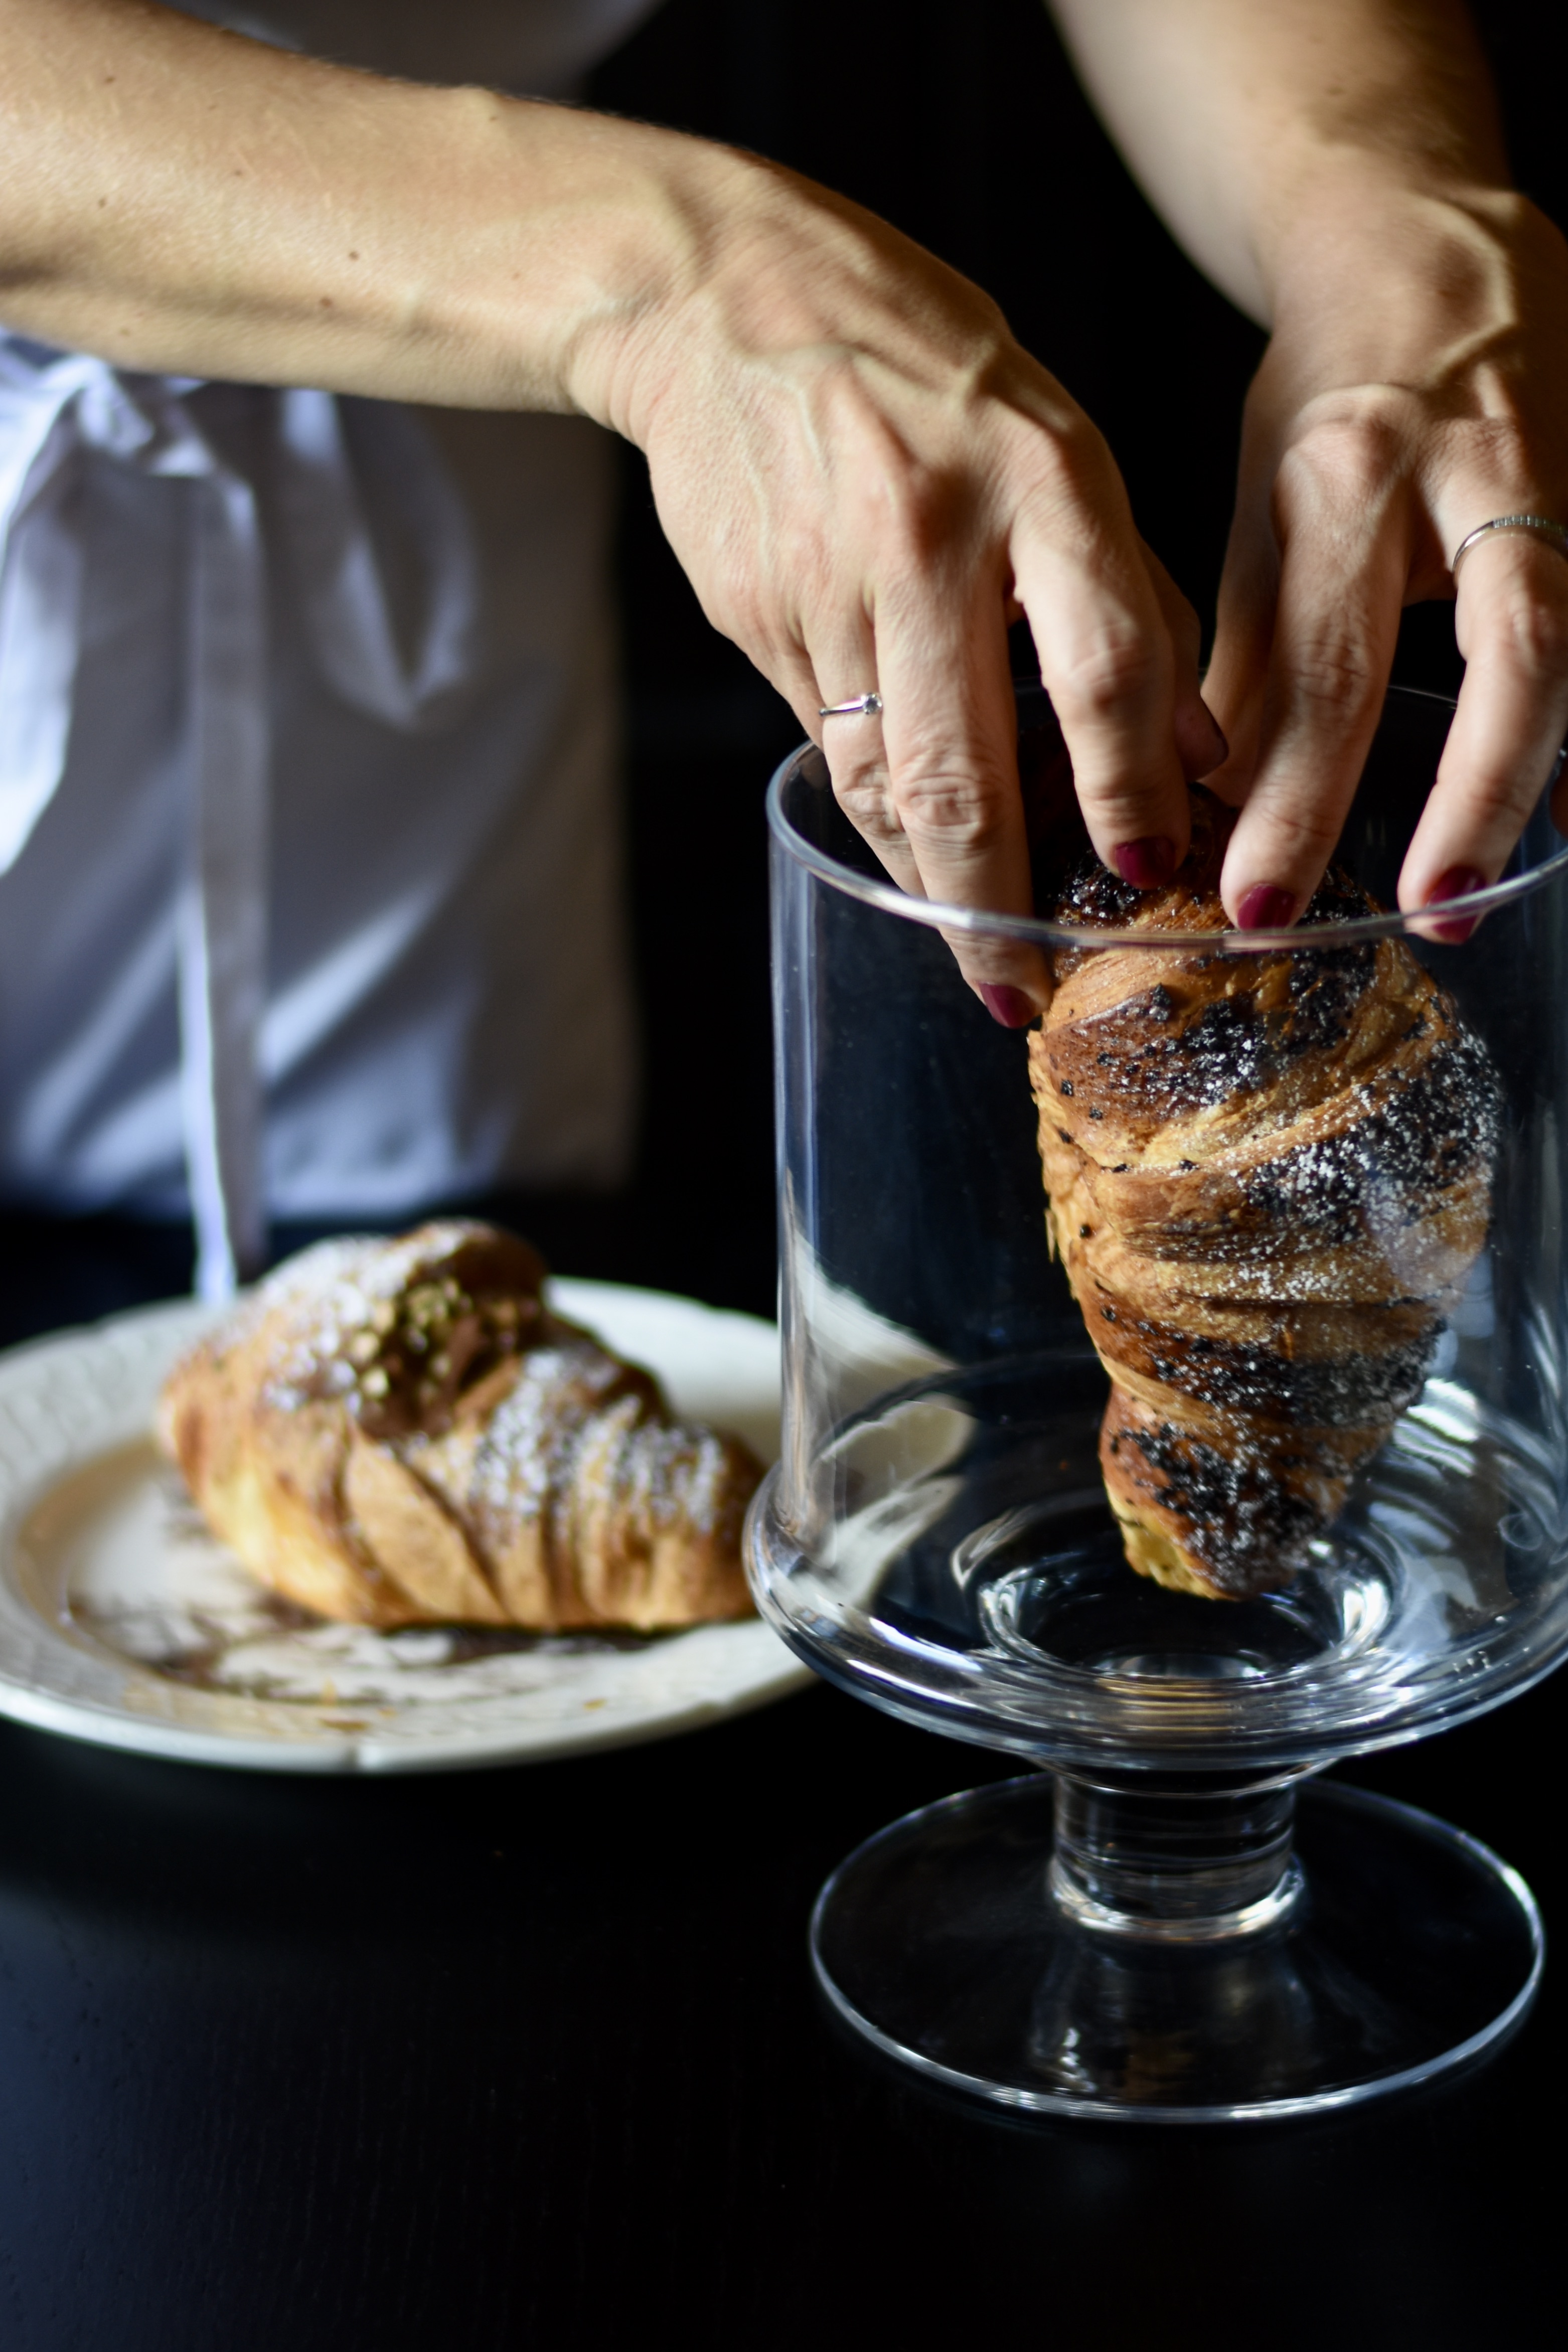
949	731
1336	623
1110	663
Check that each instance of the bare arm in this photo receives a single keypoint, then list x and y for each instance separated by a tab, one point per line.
863	474
177	197
1233	115
1337	167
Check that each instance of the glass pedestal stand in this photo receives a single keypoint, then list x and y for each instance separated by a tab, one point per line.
1174	1919
1177	1955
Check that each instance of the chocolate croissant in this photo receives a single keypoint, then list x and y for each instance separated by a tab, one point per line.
403	1432
1268	1177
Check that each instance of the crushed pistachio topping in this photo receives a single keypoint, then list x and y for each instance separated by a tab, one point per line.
422	1351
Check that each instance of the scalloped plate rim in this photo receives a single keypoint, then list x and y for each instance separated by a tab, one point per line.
114	1367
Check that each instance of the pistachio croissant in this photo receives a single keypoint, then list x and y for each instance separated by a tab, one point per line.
397	1431
1268	1177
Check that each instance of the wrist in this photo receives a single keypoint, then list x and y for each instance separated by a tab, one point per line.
1380	277
665	214
766	283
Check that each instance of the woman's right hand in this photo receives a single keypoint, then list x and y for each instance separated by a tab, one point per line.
865	479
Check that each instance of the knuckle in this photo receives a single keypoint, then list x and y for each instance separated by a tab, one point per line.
904	502
1117	667
1501	796
1343	463
1310	832
966	812
1496	448
1365	427
863	797
1060	474
1075	454
920	512
1533	633
1330	673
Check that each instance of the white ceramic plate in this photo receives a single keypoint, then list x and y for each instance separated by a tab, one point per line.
123	1621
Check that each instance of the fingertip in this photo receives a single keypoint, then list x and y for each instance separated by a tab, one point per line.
1266	907
1008	1007
1011	981
1144	845
1148	864
1457	882
1141	836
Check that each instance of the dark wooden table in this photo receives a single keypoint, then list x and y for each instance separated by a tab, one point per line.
533	2057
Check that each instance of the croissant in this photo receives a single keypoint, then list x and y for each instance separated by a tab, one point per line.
403	1432
1268	1176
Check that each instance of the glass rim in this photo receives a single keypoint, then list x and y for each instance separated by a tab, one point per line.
885	895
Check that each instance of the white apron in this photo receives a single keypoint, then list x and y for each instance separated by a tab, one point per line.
310	843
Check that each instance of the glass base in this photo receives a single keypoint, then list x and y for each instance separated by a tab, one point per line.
968	1942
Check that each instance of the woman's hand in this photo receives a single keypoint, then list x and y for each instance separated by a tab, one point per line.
864	474
866	478
1338	168
1417	385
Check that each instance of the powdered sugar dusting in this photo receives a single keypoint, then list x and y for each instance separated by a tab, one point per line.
538	1472
1269	1176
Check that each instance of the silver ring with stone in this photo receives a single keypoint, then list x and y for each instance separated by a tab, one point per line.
863	706
1532	526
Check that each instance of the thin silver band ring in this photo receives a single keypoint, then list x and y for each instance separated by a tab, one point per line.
864	706
1539	527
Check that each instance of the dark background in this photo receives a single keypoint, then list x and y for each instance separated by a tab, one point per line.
531	2057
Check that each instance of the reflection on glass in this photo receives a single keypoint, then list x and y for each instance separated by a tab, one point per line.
937	1539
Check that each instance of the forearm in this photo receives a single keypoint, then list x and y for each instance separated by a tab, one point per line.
177	198
1269	134
1336	166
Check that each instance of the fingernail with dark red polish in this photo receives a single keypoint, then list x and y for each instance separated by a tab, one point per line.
1458	882
1010	1007
1267	908
1148	864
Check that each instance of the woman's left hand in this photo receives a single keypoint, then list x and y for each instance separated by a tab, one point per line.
1415	387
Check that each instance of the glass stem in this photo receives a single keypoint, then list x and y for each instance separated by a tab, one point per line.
1187	1864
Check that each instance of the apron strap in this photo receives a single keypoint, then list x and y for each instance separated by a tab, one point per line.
55	409
224	890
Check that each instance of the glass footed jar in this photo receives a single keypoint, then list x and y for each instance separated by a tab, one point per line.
1177	1923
